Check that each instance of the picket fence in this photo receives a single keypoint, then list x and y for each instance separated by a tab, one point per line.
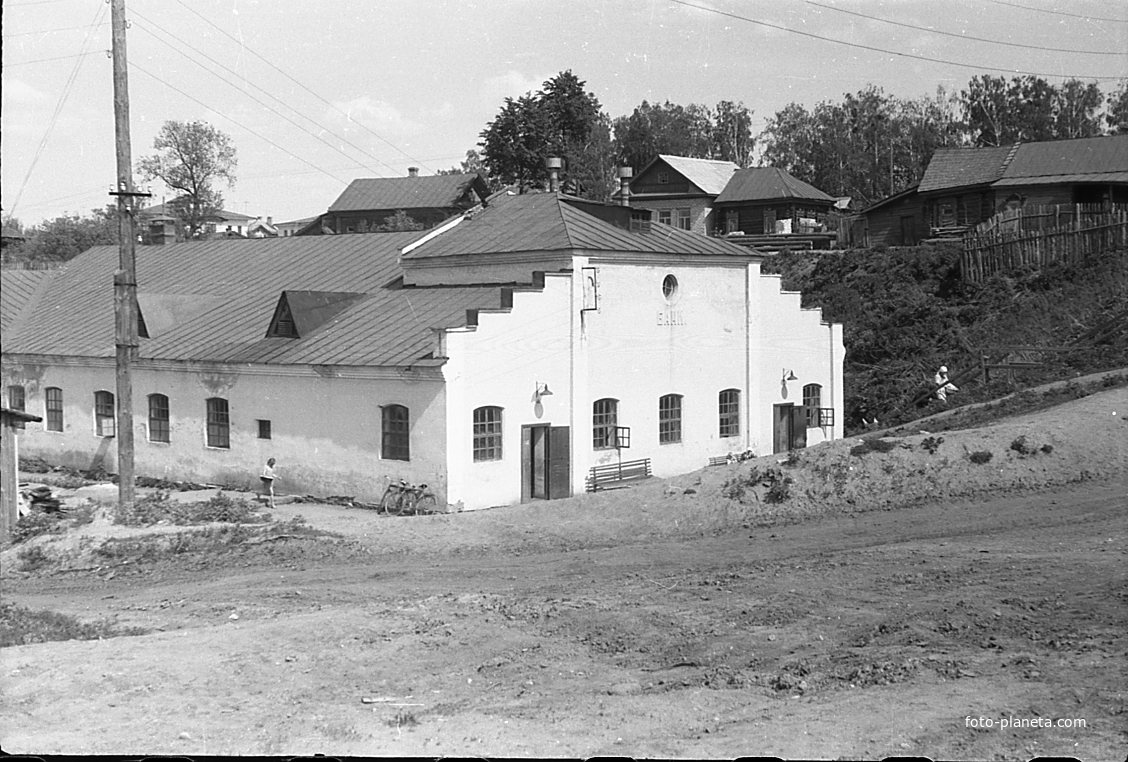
1035	237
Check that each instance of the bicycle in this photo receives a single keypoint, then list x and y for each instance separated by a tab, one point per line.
421	500
393	498
403	499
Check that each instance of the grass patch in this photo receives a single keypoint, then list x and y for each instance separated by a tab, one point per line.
159	508
872	445
777	483
980	457
20	626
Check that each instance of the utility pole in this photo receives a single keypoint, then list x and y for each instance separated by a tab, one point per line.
125	278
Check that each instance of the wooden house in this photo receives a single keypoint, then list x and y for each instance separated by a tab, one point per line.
768	200
367	203
680	191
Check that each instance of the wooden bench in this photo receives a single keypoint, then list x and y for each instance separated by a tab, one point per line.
617	473
719	460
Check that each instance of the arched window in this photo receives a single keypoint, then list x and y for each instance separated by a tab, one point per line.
219	423
487	433
395	439
604	419
669	419
812	401
728	409
104	414
54	397
158	418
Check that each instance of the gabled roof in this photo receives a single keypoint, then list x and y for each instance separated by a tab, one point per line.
767	183
552	223
309	310
18	290
213	300
709	175
1103	159
165	211
964	167
434	191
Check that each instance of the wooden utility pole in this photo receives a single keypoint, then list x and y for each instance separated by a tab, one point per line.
125	279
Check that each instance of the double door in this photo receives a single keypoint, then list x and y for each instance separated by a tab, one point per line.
545	463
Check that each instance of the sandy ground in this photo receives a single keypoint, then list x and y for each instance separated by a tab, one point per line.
890	602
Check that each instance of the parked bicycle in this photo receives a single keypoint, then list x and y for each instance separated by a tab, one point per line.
404	499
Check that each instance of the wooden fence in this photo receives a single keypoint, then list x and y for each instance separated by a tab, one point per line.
1041	235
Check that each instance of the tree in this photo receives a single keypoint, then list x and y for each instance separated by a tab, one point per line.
732	133
1117	114
985	107
192	157
668	128
400	221
1075	110
66	237
515	144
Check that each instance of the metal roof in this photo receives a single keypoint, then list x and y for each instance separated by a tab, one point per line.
433	191
767	183
709	175
550	223
214	300
163	211
1080	158
962	167
17	291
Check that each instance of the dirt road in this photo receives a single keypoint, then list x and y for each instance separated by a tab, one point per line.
862	635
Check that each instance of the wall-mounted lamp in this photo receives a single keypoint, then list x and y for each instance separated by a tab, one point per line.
542	391
789	375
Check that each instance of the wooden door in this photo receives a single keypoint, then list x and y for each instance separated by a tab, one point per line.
546	467
781	428
559	463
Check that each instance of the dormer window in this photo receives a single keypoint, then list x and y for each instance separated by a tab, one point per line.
283	326
300	313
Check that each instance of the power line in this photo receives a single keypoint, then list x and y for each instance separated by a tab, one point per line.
314	93
58	106
965	36
883	50
1061	13
253	97
171	86
56	58
49	31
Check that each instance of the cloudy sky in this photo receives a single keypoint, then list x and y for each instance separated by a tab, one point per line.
315	94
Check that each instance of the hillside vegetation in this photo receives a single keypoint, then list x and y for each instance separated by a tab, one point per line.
905	312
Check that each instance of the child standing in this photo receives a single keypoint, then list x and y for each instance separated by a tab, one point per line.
267	479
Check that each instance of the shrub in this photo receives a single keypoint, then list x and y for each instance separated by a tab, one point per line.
779	490
931	444
159	507
20	626
872	445
34	464
33	557
1022	447
980	456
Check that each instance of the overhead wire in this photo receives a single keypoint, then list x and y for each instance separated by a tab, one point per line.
255	98
134	65
243	45
63	96
1061	13
56	58
875	49
48	31
965	36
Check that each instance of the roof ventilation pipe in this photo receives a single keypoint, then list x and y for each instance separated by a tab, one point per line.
554	163
413	171
625	175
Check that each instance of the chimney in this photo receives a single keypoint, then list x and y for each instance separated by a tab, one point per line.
625	175
269	220
413	171
553	163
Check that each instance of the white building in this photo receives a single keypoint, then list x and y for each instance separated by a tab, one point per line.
498	357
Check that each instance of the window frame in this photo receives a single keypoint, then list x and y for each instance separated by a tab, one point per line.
670	419
265	428
486	433
665	217
728	413
53	408
105	414
395	433
604	423
685	218
218	433
17	400
159	425
812	401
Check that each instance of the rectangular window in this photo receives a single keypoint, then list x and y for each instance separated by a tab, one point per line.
54	408
158	418
729	410
669	419
263	429
487	433
812	399
104	414
17	400
395	442
219	423
664	216
604	419
683	219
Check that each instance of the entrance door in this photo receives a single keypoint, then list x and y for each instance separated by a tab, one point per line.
545	464
789	427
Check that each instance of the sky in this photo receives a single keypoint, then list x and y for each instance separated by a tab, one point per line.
316	94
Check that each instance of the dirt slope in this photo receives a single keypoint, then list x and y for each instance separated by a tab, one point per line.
886	598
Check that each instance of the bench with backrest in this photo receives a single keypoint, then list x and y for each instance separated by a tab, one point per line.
610	474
